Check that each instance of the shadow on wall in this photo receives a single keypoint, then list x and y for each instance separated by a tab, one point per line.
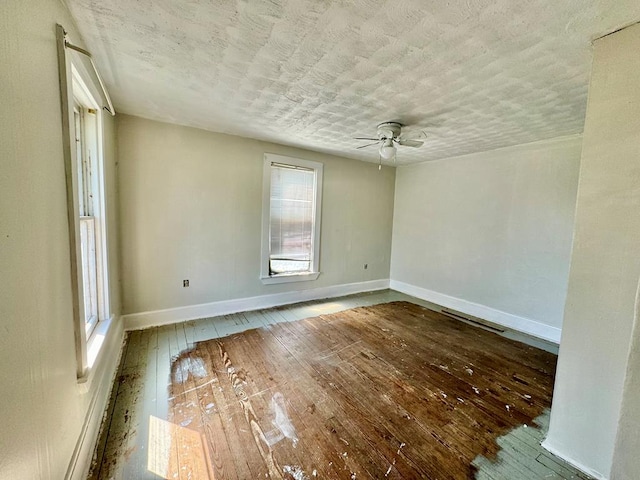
626	463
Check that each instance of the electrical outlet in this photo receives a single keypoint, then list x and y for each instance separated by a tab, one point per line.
366	265
185	283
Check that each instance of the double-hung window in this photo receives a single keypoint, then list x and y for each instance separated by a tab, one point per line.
86	121
292	197
83	149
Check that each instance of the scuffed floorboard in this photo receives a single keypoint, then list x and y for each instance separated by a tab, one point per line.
385	391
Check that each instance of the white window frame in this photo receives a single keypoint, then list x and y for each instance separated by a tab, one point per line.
314	269
94	144
78	89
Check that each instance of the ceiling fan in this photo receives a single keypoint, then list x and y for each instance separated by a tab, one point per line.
390	135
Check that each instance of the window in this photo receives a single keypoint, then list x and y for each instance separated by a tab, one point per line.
82	124
90	211
85	133
292	192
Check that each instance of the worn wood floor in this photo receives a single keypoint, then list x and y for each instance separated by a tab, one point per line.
391	390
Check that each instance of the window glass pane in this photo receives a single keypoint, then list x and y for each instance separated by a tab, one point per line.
291	219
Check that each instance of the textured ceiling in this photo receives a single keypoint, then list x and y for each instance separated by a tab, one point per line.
475	75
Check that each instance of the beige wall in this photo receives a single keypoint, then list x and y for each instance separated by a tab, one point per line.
605	264
191	204
42	408
491	229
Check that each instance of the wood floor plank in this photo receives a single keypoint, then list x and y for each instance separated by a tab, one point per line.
148	406
163	380
186	415
122	442
210	411
163	372
190	333
186	452
238	436
556	467
136	467
107	440
526	463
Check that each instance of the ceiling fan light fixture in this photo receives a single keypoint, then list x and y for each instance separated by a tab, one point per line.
387	152
389	135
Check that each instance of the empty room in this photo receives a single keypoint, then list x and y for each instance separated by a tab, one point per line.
308	239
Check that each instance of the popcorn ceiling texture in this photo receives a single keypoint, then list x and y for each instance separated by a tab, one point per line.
475	75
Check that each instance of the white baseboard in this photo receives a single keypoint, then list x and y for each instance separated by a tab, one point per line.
98	387
572	462
514	322
135	321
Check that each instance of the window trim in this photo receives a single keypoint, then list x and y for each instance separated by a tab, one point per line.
314	272
78	87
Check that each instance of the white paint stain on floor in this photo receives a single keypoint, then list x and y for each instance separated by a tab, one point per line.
189	366
282	421
296	472
402	444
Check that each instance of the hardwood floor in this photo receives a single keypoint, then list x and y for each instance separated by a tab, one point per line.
380	391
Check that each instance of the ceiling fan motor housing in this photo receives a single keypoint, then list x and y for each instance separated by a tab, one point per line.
389	130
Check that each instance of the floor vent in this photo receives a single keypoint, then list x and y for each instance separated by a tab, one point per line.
474	320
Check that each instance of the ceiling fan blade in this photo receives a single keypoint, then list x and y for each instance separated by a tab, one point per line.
410	143
366	138
414	135
368	145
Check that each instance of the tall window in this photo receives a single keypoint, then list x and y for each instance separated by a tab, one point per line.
82	127
85	133
291	219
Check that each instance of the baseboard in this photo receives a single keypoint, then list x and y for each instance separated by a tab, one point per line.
136	321
572	462
514	322
98	387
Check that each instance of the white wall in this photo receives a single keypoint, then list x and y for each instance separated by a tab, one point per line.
605	264
191	204
626	461
42	408
490	233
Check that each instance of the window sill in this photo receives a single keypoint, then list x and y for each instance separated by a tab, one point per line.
95	346
290	278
